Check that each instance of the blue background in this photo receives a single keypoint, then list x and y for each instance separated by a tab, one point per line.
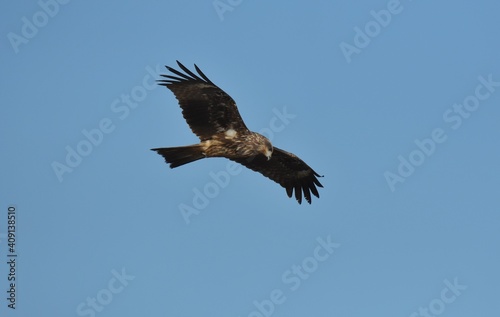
354	117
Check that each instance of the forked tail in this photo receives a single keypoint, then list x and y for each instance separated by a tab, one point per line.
180	155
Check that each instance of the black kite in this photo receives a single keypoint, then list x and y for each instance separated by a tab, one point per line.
213	116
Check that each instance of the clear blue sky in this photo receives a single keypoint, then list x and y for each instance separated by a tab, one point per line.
397	104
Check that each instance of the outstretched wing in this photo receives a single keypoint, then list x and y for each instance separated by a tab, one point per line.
287	170
207	109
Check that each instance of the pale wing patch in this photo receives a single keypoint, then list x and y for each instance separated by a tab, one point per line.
206	144
230	133
203	85
303	173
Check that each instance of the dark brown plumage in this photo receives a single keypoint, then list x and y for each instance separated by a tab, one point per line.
213	116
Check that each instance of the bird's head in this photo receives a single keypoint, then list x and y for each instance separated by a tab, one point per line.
267	148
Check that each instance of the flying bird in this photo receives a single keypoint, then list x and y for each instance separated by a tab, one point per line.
213	116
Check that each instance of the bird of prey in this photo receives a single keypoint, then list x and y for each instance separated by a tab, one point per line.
213	116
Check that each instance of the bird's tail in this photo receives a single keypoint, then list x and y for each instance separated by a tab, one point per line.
180	155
